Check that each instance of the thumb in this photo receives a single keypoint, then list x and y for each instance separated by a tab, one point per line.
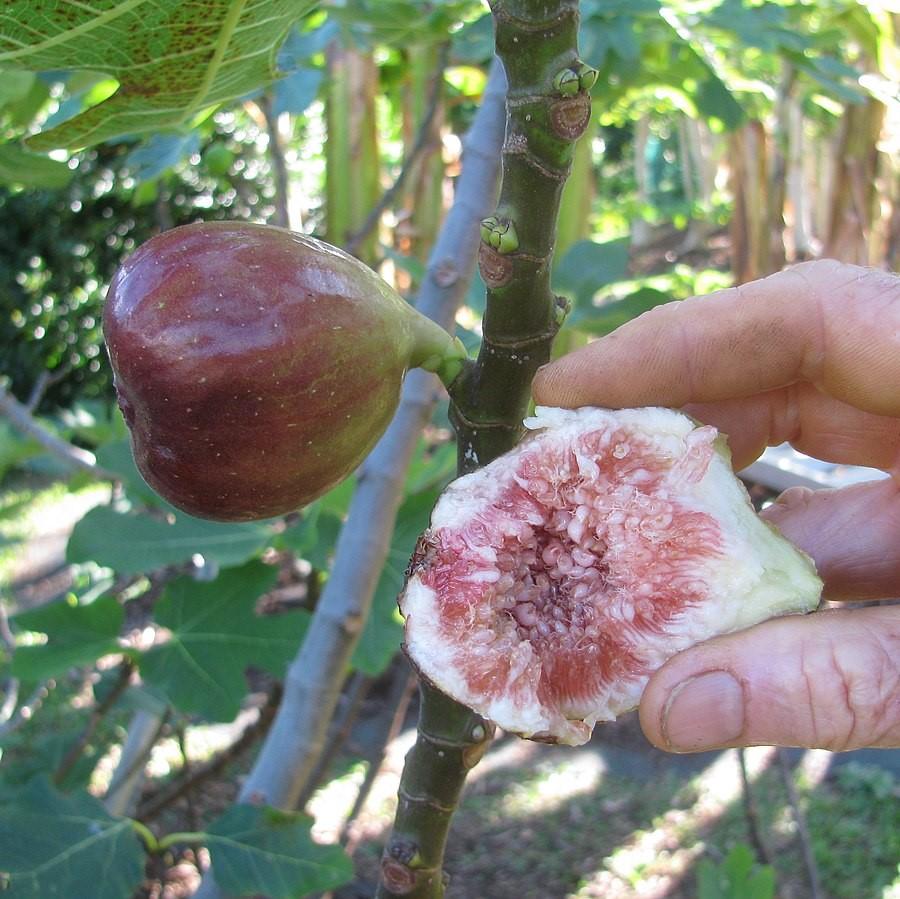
830	680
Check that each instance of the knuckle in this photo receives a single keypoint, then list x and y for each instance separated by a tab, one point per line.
853	687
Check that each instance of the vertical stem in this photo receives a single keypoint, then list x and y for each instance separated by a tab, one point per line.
809	858
777	189
548	108
797	189
352	175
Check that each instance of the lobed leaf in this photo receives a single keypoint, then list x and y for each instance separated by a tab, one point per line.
131	543
215	635
55	845
76	635
257	850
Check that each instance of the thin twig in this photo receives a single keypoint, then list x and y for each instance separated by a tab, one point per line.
423	138
809	859
21	418
279	164
751	812
70	759
11	690
188	781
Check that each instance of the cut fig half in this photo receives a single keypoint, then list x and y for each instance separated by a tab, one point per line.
555	580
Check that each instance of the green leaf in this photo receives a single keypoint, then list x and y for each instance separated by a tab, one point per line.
384	629
260	851
715	101
605	319
588	266
118	458
76	635
131	543
31	170
737	877
66	846
15	85
215	635
172	59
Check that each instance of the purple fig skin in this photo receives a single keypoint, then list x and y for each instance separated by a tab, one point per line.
255	367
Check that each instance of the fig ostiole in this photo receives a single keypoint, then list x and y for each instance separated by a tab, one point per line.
555	580
257	367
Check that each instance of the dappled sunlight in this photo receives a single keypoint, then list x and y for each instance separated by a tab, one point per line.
332	803
652	862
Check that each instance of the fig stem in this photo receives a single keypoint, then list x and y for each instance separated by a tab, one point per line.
489	399
435	350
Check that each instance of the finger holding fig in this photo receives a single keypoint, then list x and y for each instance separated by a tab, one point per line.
829	681
806	355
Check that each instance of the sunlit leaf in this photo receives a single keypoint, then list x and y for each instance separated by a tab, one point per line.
31	169
76	635
171	58
257	850
131	542
215	635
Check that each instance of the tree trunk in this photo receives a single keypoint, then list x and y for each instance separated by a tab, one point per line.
854	206
641	229
751	251
799	178
352	174
423	201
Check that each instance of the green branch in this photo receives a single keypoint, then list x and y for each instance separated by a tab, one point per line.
548	108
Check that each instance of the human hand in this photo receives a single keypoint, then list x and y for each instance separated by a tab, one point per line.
810	356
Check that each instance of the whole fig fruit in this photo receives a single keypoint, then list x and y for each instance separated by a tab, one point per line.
257	367
556	579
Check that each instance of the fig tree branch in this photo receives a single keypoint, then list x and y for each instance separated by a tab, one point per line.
548	107
144	729
423	138
22	419
313	682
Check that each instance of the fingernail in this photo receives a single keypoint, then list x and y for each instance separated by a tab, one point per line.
703	712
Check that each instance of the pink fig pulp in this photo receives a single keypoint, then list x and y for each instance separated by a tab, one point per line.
553	581
256	367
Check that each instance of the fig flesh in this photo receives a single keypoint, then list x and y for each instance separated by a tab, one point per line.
257	367
553	581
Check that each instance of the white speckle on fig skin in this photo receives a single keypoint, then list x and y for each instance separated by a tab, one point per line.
556	579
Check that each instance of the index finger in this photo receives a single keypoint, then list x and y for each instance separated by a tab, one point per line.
834	325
